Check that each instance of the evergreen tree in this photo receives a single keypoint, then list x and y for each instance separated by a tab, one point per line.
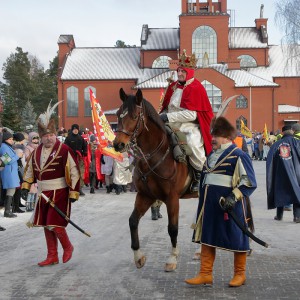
10	117
28	116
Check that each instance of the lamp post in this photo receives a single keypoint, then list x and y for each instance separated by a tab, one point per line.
250	107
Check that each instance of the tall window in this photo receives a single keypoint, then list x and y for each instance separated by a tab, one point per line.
204	39
87	102
241	102
247	61
161	62
214	94
72	101
238	122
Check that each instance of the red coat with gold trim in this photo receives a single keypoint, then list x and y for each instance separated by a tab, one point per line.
58	179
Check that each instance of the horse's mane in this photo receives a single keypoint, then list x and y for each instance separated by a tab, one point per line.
148	109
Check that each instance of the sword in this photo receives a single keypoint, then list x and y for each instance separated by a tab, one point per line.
63	215
241	226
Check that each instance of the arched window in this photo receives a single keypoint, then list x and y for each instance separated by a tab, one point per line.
214	94
247	61
204	40
241	102
72	101
161	62
238	122
87	102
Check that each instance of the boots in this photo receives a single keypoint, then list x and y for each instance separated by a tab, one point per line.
16	202
279	214
206	268
7	204
159	215
52	257
108	189
239	277
92	190
195	181
154	215
65	243
81	193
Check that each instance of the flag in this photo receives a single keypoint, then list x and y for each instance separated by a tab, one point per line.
245	130
102	129
265	133
161	99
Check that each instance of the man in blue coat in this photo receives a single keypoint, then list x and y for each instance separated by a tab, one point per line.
283	174
227	180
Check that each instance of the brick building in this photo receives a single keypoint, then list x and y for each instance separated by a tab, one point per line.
231	61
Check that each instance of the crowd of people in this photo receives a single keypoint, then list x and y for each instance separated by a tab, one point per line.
96	169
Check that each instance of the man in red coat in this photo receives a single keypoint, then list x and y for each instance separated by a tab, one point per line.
54	167
187	107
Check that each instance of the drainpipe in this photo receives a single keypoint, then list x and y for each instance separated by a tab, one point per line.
273	109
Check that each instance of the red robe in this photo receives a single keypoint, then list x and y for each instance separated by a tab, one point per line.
56	166
194	97
87	161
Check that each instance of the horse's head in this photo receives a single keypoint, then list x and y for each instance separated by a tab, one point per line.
130	120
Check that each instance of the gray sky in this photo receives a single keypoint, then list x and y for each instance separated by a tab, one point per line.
35	25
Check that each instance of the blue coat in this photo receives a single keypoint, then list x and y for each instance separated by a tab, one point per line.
218	229
283	172
9	175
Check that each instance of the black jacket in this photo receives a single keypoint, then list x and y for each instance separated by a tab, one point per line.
77	143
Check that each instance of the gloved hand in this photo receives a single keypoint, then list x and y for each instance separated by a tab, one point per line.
24	193
72	200
164	118
229	202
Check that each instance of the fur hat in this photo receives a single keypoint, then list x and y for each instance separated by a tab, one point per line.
286	127
221	127
6	134
46	124
19	136
74	126
296	127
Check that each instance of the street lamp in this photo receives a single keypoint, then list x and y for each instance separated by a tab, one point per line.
250	106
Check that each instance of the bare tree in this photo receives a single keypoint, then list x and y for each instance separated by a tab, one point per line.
287	18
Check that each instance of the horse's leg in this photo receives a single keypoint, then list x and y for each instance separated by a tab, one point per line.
141	205
173	213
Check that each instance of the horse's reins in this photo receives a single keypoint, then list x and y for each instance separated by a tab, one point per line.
137	150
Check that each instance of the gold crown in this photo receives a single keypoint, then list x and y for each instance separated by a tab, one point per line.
187	61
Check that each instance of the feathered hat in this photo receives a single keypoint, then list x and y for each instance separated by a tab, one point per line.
46	124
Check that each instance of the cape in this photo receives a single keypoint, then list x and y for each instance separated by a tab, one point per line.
283	172
194	97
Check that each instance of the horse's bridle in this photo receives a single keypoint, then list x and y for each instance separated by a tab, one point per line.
141	121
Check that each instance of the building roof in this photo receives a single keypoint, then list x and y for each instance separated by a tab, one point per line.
283	108
102	64
245	37
160	38
65	38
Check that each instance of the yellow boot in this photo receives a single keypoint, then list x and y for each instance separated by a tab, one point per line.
206	268
239	277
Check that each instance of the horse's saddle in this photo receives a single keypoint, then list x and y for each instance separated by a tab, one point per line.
178	143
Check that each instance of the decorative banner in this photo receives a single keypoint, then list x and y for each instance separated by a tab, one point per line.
265	133
245	130
162	95
102	130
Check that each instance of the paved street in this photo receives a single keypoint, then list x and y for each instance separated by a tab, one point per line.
102	266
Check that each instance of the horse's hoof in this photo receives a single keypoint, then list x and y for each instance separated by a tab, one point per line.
170	267
141	262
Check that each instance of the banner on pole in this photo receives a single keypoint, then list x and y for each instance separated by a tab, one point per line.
102	129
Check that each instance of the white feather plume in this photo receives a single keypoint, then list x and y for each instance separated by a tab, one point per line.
45	117
224	105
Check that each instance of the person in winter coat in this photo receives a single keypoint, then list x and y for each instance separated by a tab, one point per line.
107	163
9	175
19	147
33	142
121	174
94	163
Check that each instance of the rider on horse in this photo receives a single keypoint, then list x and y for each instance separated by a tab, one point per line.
187	108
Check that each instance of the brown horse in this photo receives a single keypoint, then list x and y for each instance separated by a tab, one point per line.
157	175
